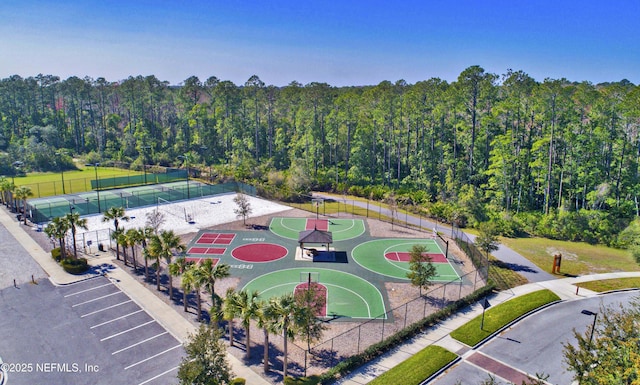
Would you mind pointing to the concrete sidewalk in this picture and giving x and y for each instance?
(166, 315)
(439, 334)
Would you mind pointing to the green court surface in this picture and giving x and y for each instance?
(371, 256)
(347, 295)
(342, 229)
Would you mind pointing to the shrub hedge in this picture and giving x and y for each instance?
(56, 254)
(347, 365)
(75, 266)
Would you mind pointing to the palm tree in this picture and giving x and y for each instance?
(229, 312)
(5, 187)
(165, 246)
(182, 265)
(116, 235)
(57, 229)
(115, 214)
(266, 322)
(74, 221)
(283, 311)
(175, 269)
(123, 241)
(192, 280)
(8, 189)
(145, 234)
(22, 193)
(244, 305)
(211, 273)
(133, 237)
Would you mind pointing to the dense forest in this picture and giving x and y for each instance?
(552, 158)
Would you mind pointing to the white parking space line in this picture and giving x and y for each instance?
(115, 319)
(106, 308)
(138, 343)
(126, 331)
(159, 375)
(152, 357)
(86, 290)
(97, 299)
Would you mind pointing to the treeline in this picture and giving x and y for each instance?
(506, 148)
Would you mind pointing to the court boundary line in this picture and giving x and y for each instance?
(258, 243)
(391, 263)
(376, 290)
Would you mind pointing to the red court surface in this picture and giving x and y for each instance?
(319, 302)
(259, 252)
(318, 224)
(215, 239)
(397, 256)
(207, 250)
(199, 260)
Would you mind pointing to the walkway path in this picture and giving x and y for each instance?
(159, 310)
(439, 334)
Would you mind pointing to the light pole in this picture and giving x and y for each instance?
(593, 327)
(185, 157)
(95, 168)
(144, 161)
(60, 153)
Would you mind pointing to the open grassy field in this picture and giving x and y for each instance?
(48, 184)
(578, 258)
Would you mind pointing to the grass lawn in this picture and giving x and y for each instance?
(612, 284)
(501, 315)
(417, 368)
(48, 184)
(578, 258)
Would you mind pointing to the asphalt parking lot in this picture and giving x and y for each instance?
(89, 332)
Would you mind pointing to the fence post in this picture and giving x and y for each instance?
(406, 309)
(444, 291)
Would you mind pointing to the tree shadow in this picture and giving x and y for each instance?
(325, 358)
(513, 266)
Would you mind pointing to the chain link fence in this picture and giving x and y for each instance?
(320, 356)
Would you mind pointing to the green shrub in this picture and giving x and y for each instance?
(56, 254)
(75, 266)
(313, 380)
(238, 381)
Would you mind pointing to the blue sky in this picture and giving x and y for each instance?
(338, 42)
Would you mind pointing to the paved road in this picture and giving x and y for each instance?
(534, 345)
(88, 332)
(516, 261)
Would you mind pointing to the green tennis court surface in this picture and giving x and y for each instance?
(342, 229)
(388, 257)
(347, 295)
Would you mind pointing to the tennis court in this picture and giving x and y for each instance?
(98, 201)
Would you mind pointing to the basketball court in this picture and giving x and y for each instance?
(353, 288)
(390, 257)
(342, 229)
